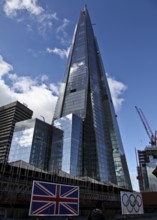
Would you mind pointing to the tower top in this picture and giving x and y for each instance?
(85, 8)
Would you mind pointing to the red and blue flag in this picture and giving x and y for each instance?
(49, 199)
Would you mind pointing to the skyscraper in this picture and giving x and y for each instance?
(85, 93)
(9, 115)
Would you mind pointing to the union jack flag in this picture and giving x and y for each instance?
(49, 199)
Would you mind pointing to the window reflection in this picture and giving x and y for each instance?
(21, 142)
(31, 143)
(71, 152)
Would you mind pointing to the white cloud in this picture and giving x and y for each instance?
(117, 88)
(22, 84)
(62, 53)
(4, 67)
(47, 17)
(11, 7)
(39, 96)
(44, 78)
(44, 18)
(32, 13)
(62, 35)
(29, 28)
(7, 96)
(45, 21)
(40, 99)
(62, 27)
(55, 88)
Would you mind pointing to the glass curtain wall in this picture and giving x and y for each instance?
(31, 143)
(70, 154)
(86, 94)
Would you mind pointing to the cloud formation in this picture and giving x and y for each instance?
(117, 88)
(28, 90)
(4, 67)
(62, 35)
(40, 96)
(34, 15)
(62, 53)
(11, 7)
(44, 18)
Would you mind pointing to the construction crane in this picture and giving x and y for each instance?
(152, 137)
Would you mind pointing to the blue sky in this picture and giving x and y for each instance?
(35, 36)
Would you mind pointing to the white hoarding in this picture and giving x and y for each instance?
(131, 203)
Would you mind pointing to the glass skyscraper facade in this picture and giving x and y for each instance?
(31, 143)
(71, 152)
(85, 93)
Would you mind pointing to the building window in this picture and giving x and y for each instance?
(72, 90)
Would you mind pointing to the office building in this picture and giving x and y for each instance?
(32, 141)
(9, 115)
(147, 169)
(85, 93)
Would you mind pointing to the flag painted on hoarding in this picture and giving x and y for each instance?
(131, 203)
(51, 199)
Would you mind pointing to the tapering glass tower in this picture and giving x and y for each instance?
(85, 93)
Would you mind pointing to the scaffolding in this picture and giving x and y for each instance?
(16, 186)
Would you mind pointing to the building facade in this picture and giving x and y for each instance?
(32, 141)
(70, 155)
(85, 93)
(9, 115)
(147, 175)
